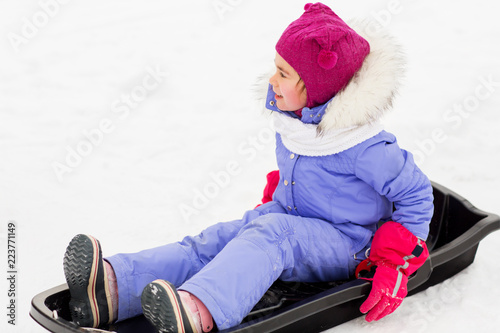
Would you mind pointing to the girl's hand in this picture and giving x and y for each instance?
(395, 254)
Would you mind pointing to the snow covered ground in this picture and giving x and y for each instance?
(136, 121)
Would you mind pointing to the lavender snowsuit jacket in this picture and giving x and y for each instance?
(355, 188)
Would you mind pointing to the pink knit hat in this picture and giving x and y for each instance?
(324, 51)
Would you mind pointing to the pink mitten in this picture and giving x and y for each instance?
(273, 178)
(395, 254)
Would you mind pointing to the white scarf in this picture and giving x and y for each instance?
(303, 139)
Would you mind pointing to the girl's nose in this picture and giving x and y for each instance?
(272, 79)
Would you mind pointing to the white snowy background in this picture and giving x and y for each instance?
(75, 78)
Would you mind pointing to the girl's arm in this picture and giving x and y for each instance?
(398, 248)
(393, 173)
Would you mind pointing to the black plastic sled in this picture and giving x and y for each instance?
(455, 232)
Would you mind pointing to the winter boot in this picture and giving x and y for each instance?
(171, 311)
(84, 269)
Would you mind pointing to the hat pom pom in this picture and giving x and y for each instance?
(327, 59)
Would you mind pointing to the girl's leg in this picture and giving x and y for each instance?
(272, 246)
(176, 262)
(113, 288)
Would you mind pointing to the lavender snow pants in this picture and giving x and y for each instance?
(229, 266)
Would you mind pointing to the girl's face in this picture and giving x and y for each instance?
(290, 90)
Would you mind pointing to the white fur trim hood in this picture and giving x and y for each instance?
(370, 93)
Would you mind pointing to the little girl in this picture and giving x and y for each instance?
(340, 174)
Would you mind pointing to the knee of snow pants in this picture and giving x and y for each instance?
(135, 270)
(174, 262)
(271, 246)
